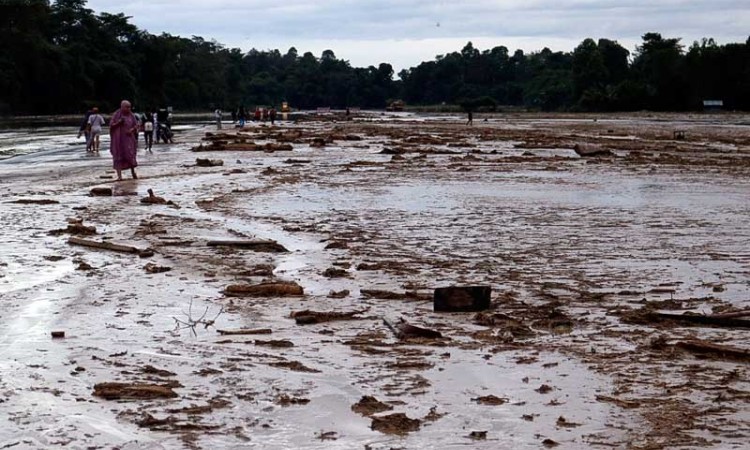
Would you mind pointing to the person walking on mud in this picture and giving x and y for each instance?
(471, 118)
(123, 132)
(83, 130)
(148, 131)
(218, 116)
(96, 121)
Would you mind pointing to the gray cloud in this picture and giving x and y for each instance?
(414, 30)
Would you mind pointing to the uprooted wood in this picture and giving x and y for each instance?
(308, 317)
(388, 295)
(144, 253)
(191, 323)
(701, 319)
(714, 350)
(732, 314)
(270, 289)
(585, 150)
(404, 330)
(368, 405)
(76, 228)
(35, 201)
(153, 199)
(244, 332)
(267, 246)
(101, 192)
(398, 424)
(205, 162)
(133, 391)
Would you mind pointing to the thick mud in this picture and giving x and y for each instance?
(374, 214)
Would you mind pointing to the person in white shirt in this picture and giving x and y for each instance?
(96, 121)
(217, 115)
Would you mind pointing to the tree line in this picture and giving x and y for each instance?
(61, 57)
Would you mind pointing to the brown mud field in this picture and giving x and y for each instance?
(249, 301)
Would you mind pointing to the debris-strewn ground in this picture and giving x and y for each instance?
(250, 302)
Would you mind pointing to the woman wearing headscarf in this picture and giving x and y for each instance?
(123, 132)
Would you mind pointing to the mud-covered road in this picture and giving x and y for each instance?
(583, 254)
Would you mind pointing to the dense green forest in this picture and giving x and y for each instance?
(59, 57)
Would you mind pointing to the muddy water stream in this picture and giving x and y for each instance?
(548, 230)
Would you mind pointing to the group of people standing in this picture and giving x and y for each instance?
(241, 115)
(124, 129)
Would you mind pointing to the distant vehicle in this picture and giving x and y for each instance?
(396, 105)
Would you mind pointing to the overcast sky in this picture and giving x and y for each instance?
(407, 32)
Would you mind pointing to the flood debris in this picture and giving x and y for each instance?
(339, 294)
(589, 150)
(462, 298)
(399, 424)
(389, 295)
(101, 192)
(104, 245)
(327, 435)
(151, 370)
(308, 317)
(75, 227)
(647, 316)
(369, 405)
(335, 272)
(294, 366)
(35, 201)
(154, 268)
(244, 332)
(478, 435)
(286, 400)
(133, 391)
(404, 330)
(711, 350)
(153, 199)
(491, 400)
(275, 343)
(267, 289)
(205, 162)
(267, 246)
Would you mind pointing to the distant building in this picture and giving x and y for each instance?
(713, 105)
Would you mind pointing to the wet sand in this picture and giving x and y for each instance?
(578, 251)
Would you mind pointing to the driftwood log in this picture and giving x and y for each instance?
(254, 245)
(144, 253)
(728, 322)
(404, 330)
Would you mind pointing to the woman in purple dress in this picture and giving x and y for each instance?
(123, 131)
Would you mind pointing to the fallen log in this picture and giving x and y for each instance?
(405, 330)
(101, 192)
(244, 332)
(205, 162)
(133, 391)
(716, 350)
(35, 201)
(254, 245)
(586, 150)
(703, 320)
(308, 317)
(731, 315)
(278, 289)
(144, 253)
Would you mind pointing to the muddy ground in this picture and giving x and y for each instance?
(178, 348)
